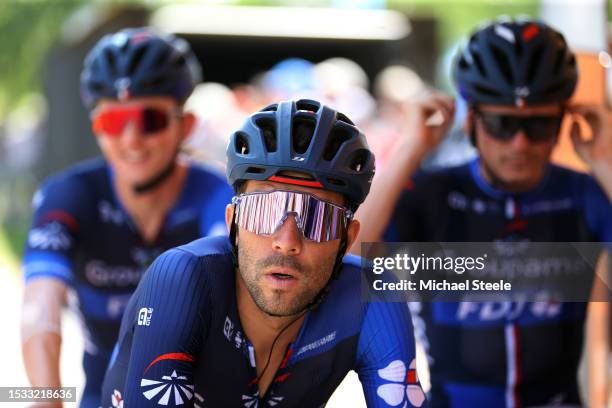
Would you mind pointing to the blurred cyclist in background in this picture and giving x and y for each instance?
(516, 77)
(99, 224)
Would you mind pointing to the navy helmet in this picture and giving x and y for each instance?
(139, 62)
(307, 137)
(515, 62)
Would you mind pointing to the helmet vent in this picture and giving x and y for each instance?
(180, 62)
(270, 108)
(336, 182)
(534, 61)
(558, 61)
(487, 91)
(138, 55)
(307, 106)
(160, 58)
(268, 131)
(255, 170)
(112, 63)
(503, 63)
(242, 143)
(518, 48)
(479, 65)
(303, 130)
(338, 136)
(343, 118)
(359, 160)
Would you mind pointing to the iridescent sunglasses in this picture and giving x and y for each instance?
(264, 212)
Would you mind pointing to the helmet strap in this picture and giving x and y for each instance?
(155, 181)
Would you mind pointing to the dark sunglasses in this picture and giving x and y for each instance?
(148, 120)
(537, 128)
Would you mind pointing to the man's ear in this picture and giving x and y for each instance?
(188, 122)
(229, 214)
(351, 233)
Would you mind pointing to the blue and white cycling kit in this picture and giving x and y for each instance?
(501, 354)
(182, 343)
(83, 236)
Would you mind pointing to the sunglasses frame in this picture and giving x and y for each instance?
(479, 113)
(346, 214)
(169, 114)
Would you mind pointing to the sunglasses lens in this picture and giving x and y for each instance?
(111, 122)
(542, 128)
(536, 128)
(148, 120)
(154, 120)
(263, 213)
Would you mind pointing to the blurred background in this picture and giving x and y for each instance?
(364, 57)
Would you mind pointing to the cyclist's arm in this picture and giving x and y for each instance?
(598, 337)
(386, 360)
(162, 334)
(48, 273)
(597, 151)
(41, 330)
(375, 213)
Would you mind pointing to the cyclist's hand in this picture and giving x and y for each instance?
(597, 150)
(429, 118)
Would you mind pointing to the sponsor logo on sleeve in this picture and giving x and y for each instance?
(144, 316)
(403, 387)
(50, 236)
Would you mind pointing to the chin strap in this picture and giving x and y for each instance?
(157, 180)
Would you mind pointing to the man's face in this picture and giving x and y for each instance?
(138, 155)
(284, 272)
(517, 163)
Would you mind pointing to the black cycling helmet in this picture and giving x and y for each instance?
(515, 62)
(139, 62)
(307, 137)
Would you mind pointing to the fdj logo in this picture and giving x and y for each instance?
(144, 316)
(492, 311)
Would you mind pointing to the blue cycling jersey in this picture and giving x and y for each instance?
(501, 354)
(182, 343)
(83, 236)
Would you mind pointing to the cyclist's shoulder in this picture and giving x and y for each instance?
(82, 176)
(189, 272)
(213, 246)
(582, 185)
(193, 260)
(208, 174)
(345, 291)
(441, 180)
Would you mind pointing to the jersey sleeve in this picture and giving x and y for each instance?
(213, 217)
(598, 211)
(405, 224)
(386, 360)
(59, 208)
(161, 331)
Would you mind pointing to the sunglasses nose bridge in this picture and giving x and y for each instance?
(281, 222)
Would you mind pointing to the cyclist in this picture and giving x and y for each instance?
(99, 224)
(271, 316)
(516, 76)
